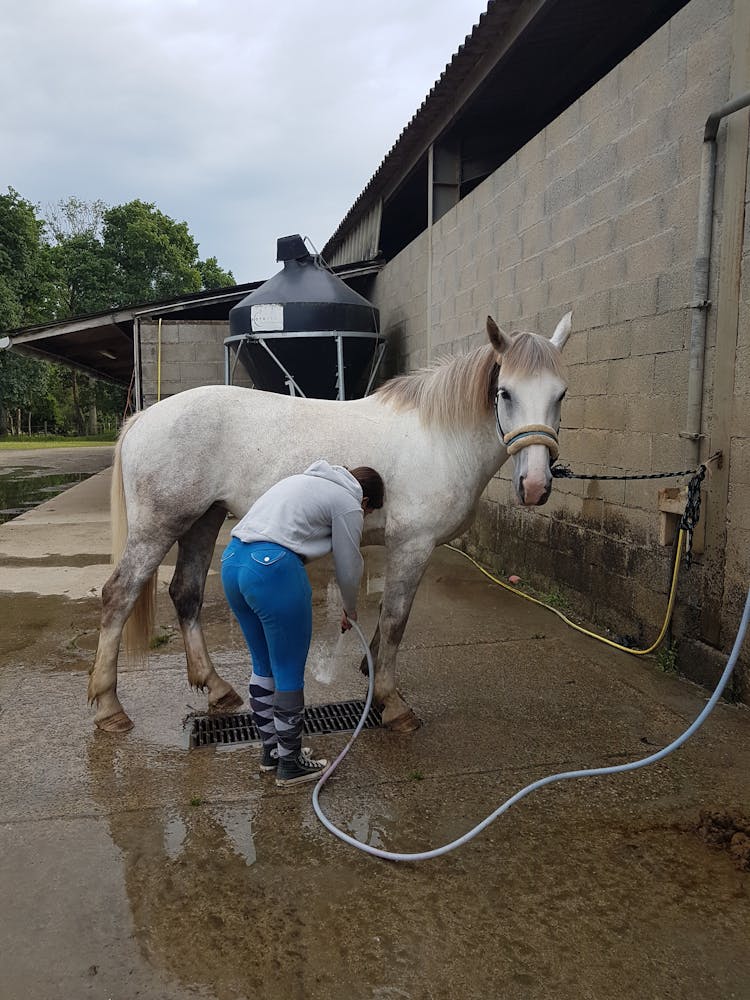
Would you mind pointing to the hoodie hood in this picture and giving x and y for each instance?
(336, 474)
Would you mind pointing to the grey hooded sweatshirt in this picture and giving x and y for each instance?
(317, 512)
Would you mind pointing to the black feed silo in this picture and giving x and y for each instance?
(305, 332)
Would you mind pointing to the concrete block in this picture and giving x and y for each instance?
(205, 331)
(530, 154)
(596, 242)
(589, 379)
(640, 221)
(653, 174)
(650, 414)
(591, 311)
(564, 291)
(659, 333)
(608, 125)
(606, 412)
(567, 157)
(561, 192)
(575, 349)
(573, 412)
(640, 63)
(604, 94)
(558, 260)
(662, 86)
(200, 373)
(589, 446)
(649, 257)
(528, 272)
(632, 300)
(599, 169)
(535, 239)
(603, 273)
(569, 221)
(559, 131)
(670, 374)
(629, 376)
(673, 290)
(609, 342)
(533, 301)
(605, 202)
(186, 352)
(670, 452)
(597, 492)
(695, 20)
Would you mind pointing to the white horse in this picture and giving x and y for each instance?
(436, 437)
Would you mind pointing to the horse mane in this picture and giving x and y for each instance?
(459, 390)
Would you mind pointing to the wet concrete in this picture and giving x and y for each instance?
(132, 867)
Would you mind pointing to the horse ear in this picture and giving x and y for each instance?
(562, 331)
(498, 338)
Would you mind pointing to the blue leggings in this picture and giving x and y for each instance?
(269, 592)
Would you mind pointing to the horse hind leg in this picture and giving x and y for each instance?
(195, 550)
(134, 572)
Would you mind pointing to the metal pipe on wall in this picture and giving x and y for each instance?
(701, 268)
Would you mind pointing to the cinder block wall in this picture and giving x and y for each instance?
(192, 354)
(598, 213)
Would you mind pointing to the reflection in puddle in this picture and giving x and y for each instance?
(22, 488)
(175, 832)
(362, 828)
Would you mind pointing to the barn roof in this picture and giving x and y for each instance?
(522, 65)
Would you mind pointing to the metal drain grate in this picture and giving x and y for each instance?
(225, 730)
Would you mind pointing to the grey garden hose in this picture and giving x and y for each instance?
(588, 772)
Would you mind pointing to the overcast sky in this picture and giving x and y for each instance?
(248, 120)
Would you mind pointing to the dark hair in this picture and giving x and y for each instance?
(371, 483)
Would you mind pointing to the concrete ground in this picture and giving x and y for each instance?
(133, 867)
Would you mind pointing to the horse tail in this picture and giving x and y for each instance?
(140, 624)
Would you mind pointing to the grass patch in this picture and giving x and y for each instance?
(666, 658)
(37, 443)
(162, 638)
(556, 599)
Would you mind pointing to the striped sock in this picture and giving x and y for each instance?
(262, 691)
(288, 715)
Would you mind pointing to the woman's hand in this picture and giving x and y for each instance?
(347, 618)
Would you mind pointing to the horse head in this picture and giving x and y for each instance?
(530, 389)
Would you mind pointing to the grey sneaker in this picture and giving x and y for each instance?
(270, 757)
(295, 769)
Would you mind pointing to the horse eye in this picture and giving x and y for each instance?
(562, 395)
(504, 394)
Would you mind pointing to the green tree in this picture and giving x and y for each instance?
(152, 256)
(26, 271)
(83, 258)
(213, 276)
(27, 296)
(83, 276)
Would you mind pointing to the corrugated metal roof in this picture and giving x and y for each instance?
(441, 98)
(524, 62)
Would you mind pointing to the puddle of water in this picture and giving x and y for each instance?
(22, 488)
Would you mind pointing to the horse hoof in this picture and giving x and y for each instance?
(406, 723)
(227, 702)
(117, 723)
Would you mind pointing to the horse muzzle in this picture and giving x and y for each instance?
(532, 478)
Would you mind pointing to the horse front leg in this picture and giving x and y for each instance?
(405, 565)
(195, 550)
